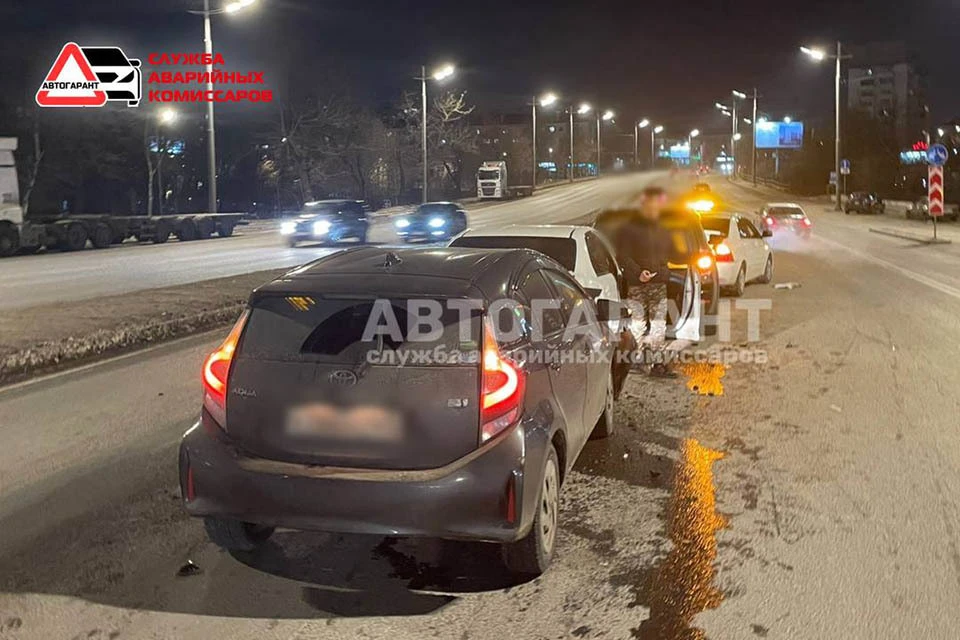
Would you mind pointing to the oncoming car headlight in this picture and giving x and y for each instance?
(436, 223)
(321, 227)
(402, 223)
(288, 227)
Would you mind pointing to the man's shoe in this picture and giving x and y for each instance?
(660, 370)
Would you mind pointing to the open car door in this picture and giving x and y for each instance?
(683, 289)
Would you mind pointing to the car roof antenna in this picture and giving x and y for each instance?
(391, 260)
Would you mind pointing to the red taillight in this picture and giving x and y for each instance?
(770, 221)
(806, 222)
(503, 387)
(723, 252)
(216, 371)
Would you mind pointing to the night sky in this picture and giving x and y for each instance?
(666, 61)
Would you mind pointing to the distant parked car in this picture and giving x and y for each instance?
(863, 202)
(919, 210)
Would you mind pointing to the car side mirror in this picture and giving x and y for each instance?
(766, 233)
(593, 293)
(608, 310)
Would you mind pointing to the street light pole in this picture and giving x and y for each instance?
(643, 124)
(211, 133)
(423, 129)
(570, 169)
(653, 132)
(533, 184)
(598, 143)
(837, 136)
(753, 144)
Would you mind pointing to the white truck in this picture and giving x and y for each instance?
(72, 232)
(493, 184)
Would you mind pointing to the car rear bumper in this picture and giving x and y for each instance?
(469, 498)
(728, 273)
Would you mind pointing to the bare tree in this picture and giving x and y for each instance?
(32, 170)
(451, 137)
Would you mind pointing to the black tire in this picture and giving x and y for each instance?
(234, 535)
(225, 229)
(162, 232)
(9, 240)
(205, 228)
(767, 271)
(741, 284)
(606, 423)
(74, 238)
(846, 211)
(292, 243)
(187, 230)
(102, 236)
(531, 555)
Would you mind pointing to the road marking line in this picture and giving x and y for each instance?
(907, 273)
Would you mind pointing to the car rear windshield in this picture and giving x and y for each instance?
(436, 209)
(563, 250)
(784, 212)
(307, 327)
(716, 226)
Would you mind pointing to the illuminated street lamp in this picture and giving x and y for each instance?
(606, 116)
(546, 100)
(693, 134)
(643, 124)
(231, 7)
(820, 55)
(440, 74)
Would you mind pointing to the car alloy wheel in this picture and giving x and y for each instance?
(549, 506)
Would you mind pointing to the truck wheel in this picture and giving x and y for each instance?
(187, 230)
(74, 238)
(162, 232)
(205, 228)
(9, 240)
(102, 236)
(225, 229)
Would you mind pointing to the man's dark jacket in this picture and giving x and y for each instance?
(642, 244)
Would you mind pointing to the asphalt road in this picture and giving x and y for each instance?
(817, 497)
(34, 280)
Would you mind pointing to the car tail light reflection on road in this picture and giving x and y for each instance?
(216, 371)
(503, 388)
(724, 253)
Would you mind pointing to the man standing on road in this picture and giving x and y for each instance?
(643, 250)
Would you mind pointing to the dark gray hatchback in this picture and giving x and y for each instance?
(379, 392)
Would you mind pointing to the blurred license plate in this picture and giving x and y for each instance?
(360, 423)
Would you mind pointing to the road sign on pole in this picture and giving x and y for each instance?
(937, 155)
(845, 167)
(935, 190)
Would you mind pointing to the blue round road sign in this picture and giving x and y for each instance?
(937, 155)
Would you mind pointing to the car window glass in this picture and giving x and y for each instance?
(534, 288)
(572, 302)
(747, 230)
(599, 256)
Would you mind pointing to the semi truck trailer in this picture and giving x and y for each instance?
(76, 232)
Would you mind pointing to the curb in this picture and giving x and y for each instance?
(48, 356)
(904, 236)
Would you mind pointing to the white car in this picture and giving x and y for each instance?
(742, 254)
(588, 256)
(582, 251)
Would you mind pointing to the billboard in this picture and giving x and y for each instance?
(779, 135)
